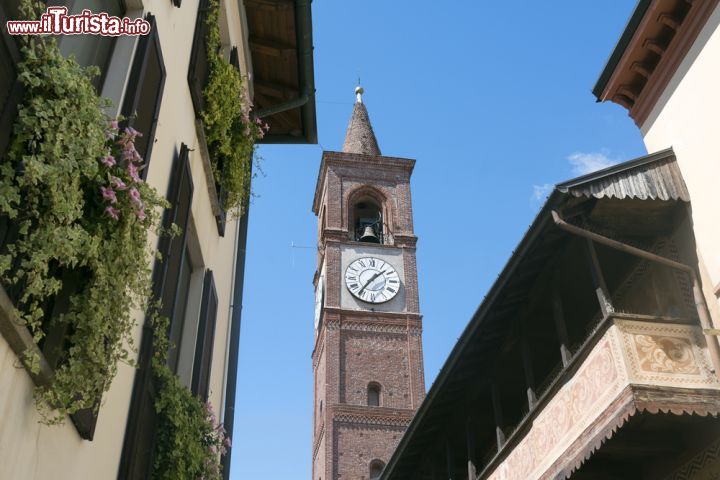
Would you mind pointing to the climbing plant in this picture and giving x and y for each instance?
(190, 440)
(80, 261)
(230, 130)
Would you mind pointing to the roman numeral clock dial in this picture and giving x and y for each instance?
(372, 280)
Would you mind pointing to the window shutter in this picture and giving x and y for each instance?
(180, 197)
(10, 86)
(199, 69)
(144, 93)
(205, 338)
(138, 447)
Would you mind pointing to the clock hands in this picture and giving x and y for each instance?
(369, 282)
(369, 288)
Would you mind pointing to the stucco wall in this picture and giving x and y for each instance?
(30, 450)
(685, 118)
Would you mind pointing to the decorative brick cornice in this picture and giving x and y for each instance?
(366, 416)
(374, 163)
(353, 316)
(405, 240)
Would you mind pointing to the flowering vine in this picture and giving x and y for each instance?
(190, 440)
(229, 128)
(79, 262)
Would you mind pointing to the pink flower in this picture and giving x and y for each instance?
(135, 196)
(133, 172)
(117, 184)
(114, 124)
(112, 213)
(228, 442)
(108, 161)
(130, 154)
(108, 194)
(132, 133)
(141, 212)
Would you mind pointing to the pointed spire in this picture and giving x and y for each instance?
(360, 137)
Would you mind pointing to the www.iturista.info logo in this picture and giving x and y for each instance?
(56, 21)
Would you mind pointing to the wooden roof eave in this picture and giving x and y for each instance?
(541, 223)
(304, 100)
(528, 246)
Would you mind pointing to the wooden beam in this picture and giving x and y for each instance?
(654, 46)
(270, 4)
(449, 460)
(275, 89)
(601, 289)
(470, 440)
(498, 414)
(560, 325)
(642, 69)
(528, 369)
(271, 48)
(669, 20)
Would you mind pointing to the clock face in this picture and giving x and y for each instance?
(372, 280)
(319, 301)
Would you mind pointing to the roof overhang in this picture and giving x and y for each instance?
(655, 41)
(281, 48)
(651, 173)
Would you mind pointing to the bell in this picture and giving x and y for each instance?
(369, 235)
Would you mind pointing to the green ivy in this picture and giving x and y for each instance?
(189, 438)
(230, 131)
(69, 182)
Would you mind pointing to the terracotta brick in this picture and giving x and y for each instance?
(354, 348)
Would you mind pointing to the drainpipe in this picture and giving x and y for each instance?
(702, 308)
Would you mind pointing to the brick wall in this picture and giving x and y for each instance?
(360, 345)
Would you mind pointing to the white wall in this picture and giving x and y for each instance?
(686, 118)
(30, 450)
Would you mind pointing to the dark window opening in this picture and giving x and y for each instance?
(373, 395)
(92, 49)
(368, 221)
(376, 468)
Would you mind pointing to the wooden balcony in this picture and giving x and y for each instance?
(629, 366)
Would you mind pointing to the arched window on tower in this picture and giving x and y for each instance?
(368, 220)
(373, 394)
(376, 468)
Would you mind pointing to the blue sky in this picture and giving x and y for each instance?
(493, 101)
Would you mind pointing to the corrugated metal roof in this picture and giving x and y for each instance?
(655, 177)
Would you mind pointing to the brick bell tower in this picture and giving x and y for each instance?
(368, 360)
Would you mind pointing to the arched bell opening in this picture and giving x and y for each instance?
(368, 216)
